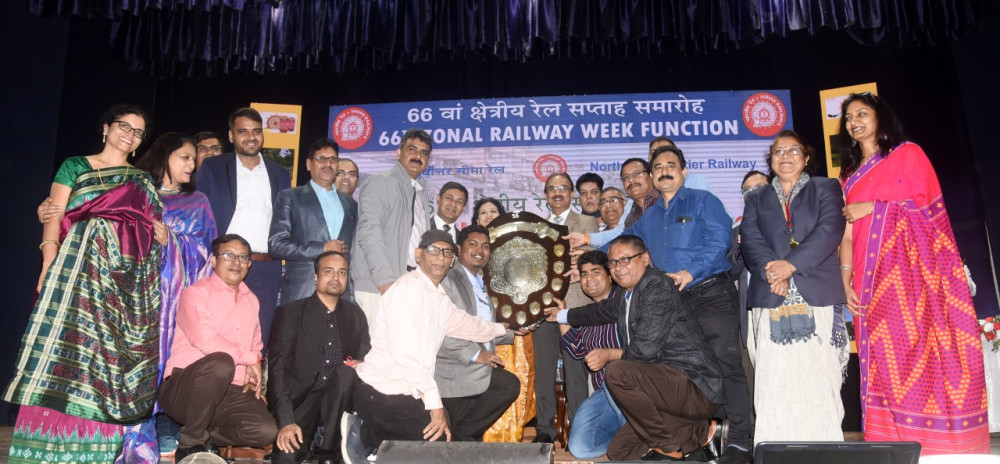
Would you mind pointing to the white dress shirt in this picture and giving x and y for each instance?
(439, 224)
(252, 217)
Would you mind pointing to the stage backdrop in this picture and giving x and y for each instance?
(506, 148)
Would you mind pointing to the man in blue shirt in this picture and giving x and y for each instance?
(310, 219)
(688, 234)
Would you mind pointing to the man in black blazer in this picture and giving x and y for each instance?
(241, 188)
(668, 383)
(451, 201)
(311, 219)
(314, 345)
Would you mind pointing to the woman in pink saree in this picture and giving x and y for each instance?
(918, 345)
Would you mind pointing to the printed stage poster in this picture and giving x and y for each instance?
(282, 125)
(506, 148)
(830, 101)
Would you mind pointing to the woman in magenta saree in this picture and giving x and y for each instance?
(87, 366)
(918, 345)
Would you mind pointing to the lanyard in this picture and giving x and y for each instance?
(792, 243)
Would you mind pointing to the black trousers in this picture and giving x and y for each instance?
(715, 305)
(471, 416)
(389, 417)
(209, 407)
(322, 408)
(546, 346)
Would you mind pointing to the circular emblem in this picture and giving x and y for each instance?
(352, 128)
(546, 165)
(764, 114)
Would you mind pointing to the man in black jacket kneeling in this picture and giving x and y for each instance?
(667, 383)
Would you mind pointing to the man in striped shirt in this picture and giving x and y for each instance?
(598, 419)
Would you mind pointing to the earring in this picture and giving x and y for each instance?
(854, 143)
(104, 138)
(132, 154)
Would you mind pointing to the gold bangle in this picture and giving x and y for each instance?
(587, 236)
(46, 242)
(846, 267)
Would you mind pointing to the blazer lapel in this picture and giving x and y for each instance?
(312, 207)
(231, 177)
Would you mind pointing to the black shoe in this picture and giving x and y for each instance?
(698, 455)
(653, 455)
(182, 453)
(720, 439)
(734, 455)
(327, 457)
(543, 437)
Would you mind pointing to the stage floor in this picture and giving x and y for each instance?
(562, 456)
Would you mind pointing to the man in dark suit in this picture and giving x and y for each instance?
(559, 196)
(667, 382)
(475, 388)
(241, 188)
(451, 201)
(311, 380)
(309, 220)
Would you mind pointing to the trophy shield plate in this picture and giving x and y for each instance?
(528, 257)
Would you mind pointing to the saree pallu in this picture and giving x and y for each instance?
(89, 352)
(185, 258)
(918, 345)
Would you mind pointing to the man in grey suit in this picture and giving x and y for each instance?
(392, 215)
(310, 219)
(475, 388)
(559, 196)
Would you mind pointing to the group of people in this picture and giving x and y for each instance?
(163, 307)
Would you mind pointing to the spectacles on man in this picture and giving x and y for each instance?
(623, 261)
(325, 159)
(793, 151)
(609, 200)
(557, 189)
(351, 174)
(434, 251)
(231, 257)
(127, 128)
(633, 175)
(209, 148)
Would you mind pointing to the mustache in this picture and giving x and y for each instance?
(665, 177)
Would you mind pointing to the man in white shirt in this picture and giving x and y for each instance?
(451, 201)
(241, 188)
(398, 398)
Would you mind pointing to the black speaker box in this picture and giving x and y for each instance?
(437, 452)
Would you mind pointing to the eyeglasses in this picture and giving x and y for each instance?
(434, 251)
(610, 200)
(623, 261)
(209, 148)
(557, 189)
(231, 257)
(127, 128)
(793, 151)
(633, 175)
(325, 160)
(347, 173)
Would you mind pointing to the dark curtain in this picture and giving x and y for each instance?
(197, 38)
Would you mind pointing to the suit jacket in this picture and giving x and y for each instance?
(660, 329)
(295, 353)
(456, 373)
(739, 274)
(217, 180)
(298, 233)
(818, 227)
(577, 222)
(385, 217)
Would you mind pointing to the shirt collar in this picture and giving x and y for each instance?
(426, 281)
(259, 166)
(319, 188)
(440, 222)
(216, 283)
(564, 215)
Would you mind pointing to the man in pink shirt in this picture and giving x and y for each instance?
(398, 398)
(213, 379)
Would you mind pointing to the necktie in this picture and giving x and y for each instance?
(446, 228)
(557, 219)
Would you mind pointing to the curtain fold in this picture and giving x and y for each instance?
(204, 38)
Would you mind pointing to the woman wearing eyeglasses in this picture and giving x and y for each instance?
(789, 237)
(88, 361)
(918, 344)
(186, 234)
